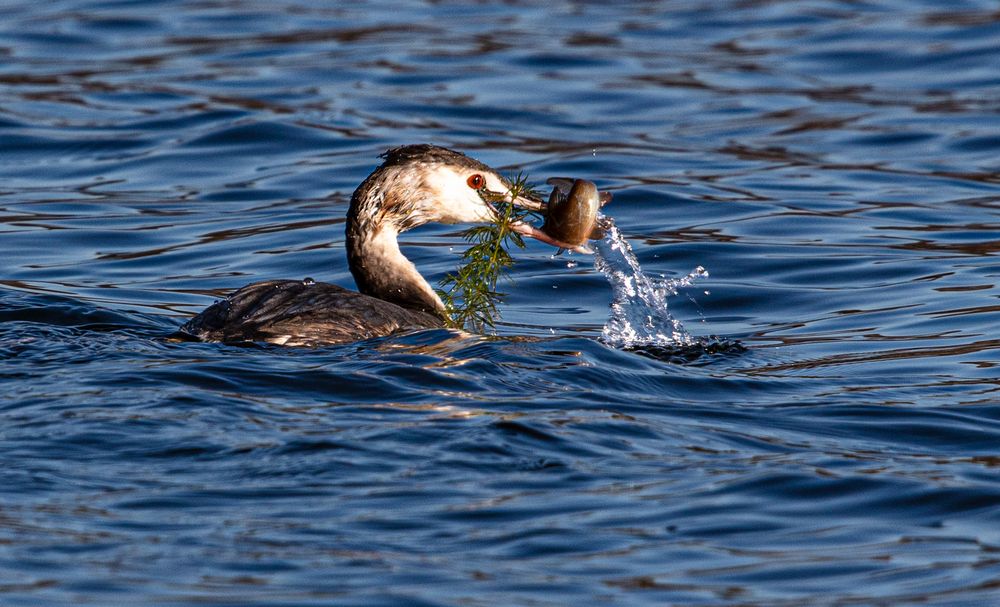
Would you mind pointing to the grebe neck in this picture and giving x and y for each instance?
(381, 270)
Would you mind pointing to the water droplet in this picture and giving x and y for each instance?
(571, 264)
(308, 282)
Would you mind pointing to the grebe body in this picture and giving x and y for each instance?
(416, 184)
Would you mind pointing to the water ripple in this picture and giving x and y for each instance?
(831, 164)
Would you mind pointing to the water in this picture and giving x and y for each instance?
(833, 165)
(640, 315)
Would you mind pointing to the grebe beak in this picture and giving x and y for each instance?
(526, 229)
(533, 204)
(530, 202)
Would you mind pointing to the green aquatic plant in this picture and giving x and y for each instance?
(470, 293)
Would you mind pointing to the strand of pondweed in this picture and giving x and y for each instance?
(470, 293)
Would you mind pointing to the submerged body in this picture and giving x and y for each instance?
(416, 184)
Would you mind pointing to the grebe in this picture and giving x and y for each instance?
(416, 184)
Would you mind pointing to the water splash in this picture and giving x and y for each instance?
(639, 313)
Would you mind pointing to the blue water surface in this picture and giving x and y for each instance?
(834, 165)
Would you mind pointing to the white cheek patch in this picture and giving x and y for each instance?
(457, 202)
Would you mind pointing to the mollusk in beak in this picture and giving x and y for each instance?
(570, 218)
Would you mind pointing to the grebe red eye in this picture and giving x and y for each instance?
(476, 181)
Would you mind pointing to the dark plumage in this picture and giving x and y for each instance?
(415, 185)
(303, 313)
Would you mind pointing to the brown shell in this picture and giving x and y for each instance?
(570, 219)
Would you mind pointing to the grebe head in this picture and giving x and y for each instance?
(416, 184)
(420, 184)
